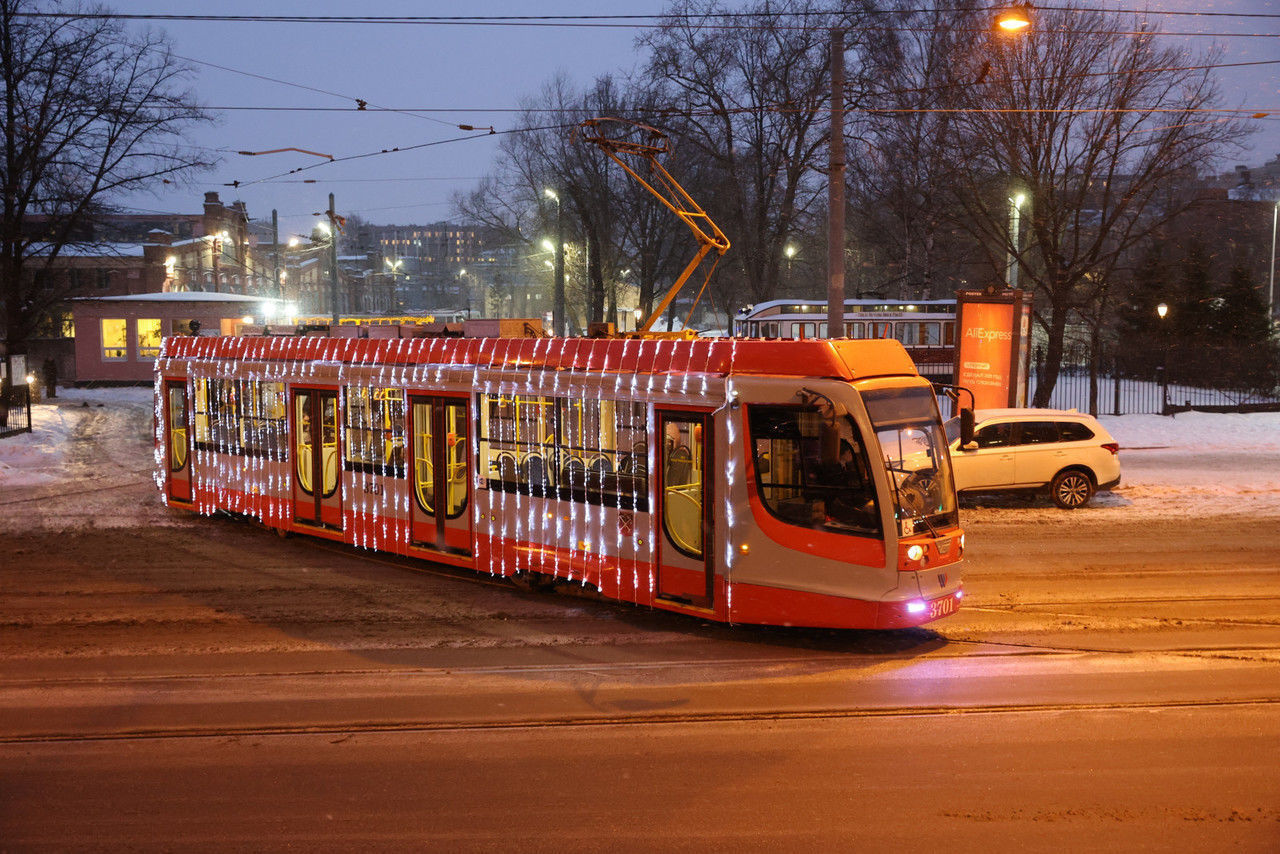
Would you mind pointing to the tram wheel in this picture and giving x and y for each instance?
(534, 582)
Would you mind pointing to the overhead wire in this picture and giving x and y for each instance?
(639, 21)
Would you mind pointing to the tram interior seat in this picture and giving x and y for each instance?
(534, 470)
(506, 464)
(599, 468)
(574, 472)
(679, 466)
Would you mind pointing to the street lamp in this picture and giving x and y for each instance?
(557, 306)
(1015, 243)
(1014, 19)
(1163, 310)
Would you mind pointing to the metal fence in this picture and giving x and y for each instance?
(15, 410)
(1126, 395)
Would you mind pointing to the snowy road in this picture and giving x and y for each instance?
(166, 679)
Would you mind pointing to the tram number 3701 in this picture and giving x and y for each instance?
(942, 607)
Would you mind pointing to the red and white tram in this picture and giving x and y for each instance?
(927, 328)
(774, 482)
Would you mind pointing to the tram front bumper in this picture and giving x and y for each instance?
(915, 612)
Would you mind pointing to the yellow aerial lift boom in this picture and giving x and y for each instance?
(652, 142)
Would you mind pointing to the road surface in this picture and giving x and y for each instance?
(172, 682)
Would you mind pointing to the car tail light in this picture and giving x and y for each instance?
(1113, 447)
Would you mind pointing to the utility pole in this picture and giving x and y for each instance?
(835, 193)
(1271, 288)
(557, 305)
(275, 252)
(333, 261)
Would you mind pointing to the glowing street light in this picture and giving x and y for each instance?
(1014, 19)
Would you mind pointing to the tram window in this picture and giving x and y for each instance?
(931, 333)
(907, 333)
(375, 429)
(115, 338)
(217, 415)
(682, 504)
(148, 338)
(203, 432)
(857, 329)
(949, 333)
(522, 427)
(879, 329)
(262, 418)
(812, 470)
(573, 448)
(771, 329)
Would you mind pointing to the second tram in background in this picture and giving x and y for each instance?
(927, 328)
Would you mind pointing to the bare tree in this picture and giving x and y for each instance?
(900, 169)
(90, 112)
(1090, 122)
(613, 223)
(751, 99)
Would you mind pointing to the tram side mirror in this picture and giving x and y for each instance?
(966, 431)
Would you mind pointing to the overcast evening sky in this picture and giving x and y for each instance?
(477, 75)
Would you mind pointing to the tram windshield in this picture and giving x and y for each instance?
(914, 450)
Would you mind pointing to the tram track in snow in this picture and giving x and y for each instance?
(347, 729)
(853, 661)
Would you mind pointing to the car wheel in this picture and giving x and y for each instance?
(1071, 489)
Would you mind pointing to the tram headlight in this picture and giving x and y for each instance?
(917, 607)
(914, 553)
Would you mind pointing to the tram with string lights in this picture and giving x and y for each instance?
(797, 483)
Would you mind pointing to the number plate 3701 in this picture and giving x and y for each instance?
(942, 607)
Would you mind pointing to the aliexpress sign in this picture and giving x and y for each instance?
(993, 346)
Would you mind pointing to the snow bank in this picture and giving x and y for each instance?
(38, 458)
(1197, 431)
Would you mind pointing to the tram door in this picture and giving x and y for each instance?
(685, 554)
(441, 473)
(178, 440)
(317, 493)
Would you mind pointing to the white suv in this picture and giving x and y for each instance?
(1067, 452)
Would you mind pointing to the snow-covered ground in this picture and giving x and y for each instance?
(1190, 464)
(42, 457)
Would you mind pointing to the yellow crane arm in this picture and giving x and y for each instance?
(666, 188)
